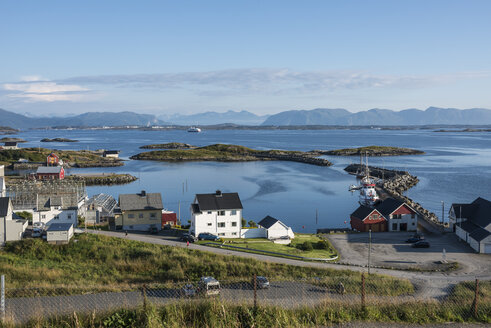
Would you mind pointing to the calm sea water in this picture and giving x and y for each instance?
(455, 168)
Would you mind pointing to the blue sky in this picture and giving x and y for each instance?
(165, 57)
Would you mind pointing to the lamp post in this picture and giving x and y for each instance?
(443, 211)
(369, 248)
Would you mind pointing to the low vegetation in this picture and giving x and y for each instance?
(373, 151)
(170, 145)
(76, 158)
(305, 245)
(106, 179)
(215, 313)
(90, 261)
(58, 140)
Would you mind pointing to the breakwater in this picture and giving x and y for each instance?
(103, 179)
(395, 183)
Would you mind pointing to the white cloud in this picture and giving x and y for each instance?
(45, 91)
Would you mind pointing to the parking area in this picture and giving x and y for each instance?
(389, 249)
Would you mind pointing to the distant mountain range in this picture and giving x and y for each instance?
(211, 118)
(319, 116)
(430, 116)
(91, 119)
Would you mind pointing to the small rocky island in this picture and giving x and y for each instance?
(231, 153)
(170, 145)
(58, 140)
(371, 151)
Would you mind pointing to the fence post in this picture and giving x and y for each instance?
(144, 295)
(255, 291)
(363, 290)
(476, 299)
(2, 296)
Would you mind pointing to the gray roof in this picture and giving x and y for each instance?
(467, 226)
(479, 234)
(49, 169)
(267, 222)
(195, 208)
(142, 201)
(362, 212)
(4, 206)
(59, 227)
(389, 205)
(479, 211)
(219, 201)
(45, 202)
(11, 143)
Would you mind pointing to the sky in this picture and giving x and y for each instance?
(167, 57)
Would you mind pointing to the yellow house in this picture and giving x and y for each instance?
(141, 211)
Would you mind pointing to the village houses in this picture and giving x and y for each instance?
(217, 213)
(141, 212)
(12, 227)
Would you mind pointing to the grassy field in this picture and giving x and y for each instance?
(213, 313)
(91, 261)
(83, 158)
(321, 248)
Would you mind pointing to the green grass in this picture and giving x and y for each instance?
(214, 313)
(8, 156)
(91, 261)
(292, 249)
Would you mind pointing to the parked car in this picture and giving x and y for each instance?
(37, 229)
(188, 238)
(153, 230)
(208, 236)
(415, 238)
(188, 290)
(208, 286)
(261, 282)
(421, 244)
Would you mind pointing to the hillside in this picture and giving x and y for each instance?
(213, 118)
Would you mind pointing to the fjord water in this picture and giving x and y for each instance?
(455, 168)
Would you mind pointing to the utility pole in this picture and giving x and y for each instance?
(443, 211)
(369, 248)
(316, 216)
(179, 210)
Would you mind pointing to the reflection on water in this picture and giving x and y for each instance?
(455, 168)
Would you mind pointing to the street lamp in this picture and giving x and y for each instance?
(369, 248)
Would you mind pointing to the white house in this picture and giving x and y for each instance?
(59, 233)
(56, 209)
(111, 153)
(12, 227)
(275, 229)
(3, 191)
(472, 223)
(399, 215)
(218, 213)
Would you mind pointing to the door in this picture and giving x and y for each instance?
(403, 226)
(487, 248)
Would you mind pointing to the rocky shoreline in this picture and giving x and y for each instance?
(105, 179)
(371, 151)
(170, 145)
(58, 140)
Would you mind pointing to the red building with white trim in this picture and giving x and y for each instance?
(50, 173)
(366, 218)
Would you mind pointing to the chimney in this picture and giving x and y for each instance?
(143, 193)
(218, 193)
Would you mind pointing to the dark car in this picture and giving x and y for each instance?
(413, 240)
(208, 236)
(153, 230)
(261, 282)
(188, 238)
(421, 244)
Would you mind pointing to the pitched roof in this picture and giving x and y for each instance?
(49, 169)
(111, 152)
(4, 206)
(389, 205)
(363, 211)
(479, 234)
(11, 143)
(219, 201)
(267, 222)
(479, 211)
(195, 208)
(59, 227)
(467, 226)
(142, 201)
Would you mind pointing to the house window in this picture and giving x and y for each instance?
(414, 223)
(234, 233)
(43, 216)
(221, 224)
(69, 216)
(394, 226)
(233, 212)
(221, 234)
(56, 217)
(374, 217)
(221, 213)
(234, 224)
(209, 212)
(209, 224)
(413, 215)
(131, 227)
(152, 215)
(140, 215)
(131, 216)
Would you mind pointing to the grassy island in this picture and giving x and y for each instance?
(170, 145)
(73, 158)
(373, 151)
(231, 153)
(58, 140)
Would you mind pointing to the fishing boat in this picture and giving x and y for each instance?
(368, 195)
(194, 129)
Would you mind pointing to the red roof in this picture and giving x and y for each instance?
(169, 217)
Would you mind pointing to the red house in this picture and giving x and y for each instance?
(366, 218)
(52, 160)
(50, 173)
(169, 218)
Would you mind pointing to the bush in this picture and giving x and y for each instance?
(306, 246)
(322, 244)
(25, 215)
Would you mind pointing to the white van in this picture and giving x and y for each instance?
(208, 286)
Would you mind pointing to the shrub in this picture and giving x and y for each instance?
(306, 246)
(322, 244)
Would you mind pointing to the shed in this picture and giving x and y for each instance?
(59, 233)
(275, 229)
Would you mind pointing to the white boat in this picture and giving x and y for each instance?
(368, 194)
(194, 129)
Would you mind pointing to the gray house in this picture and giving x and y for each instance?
(12, 227)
